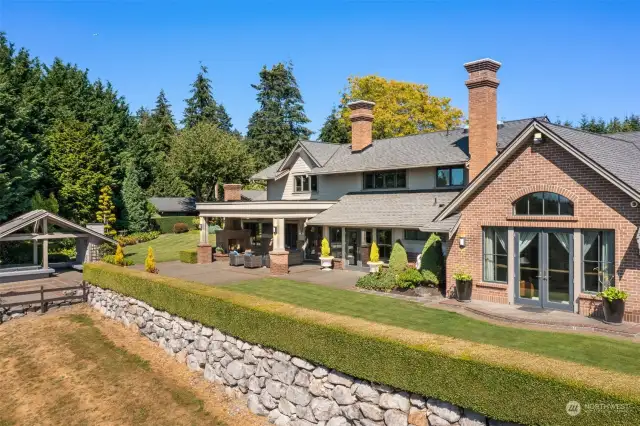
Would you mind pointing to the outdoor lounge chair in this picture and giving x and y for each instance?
(252, 261)
(236, 259)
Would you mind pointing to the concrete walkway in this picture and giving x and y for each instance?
(220, 273)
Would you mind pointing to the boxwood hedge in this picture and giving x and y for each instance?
(165, 223)
(502, 393)
(189, 256)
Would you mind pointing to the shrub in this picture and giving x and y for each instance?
(219, 250)
(138, 237)
(150, 262)
(462, 276)
(189, 256)
(398, 259)
(110, 258)
(325, 251)
(165, 224)
(118, 258)
(431, 262)
(612, 293)
(374, 254)
(106, 249)
(383, 280)
(409, 278)
(494, 390)
(180, 228)
(58, 257)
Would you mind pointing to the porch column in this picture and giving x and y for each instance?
(344, 243)
(35, 252)
(511, 276)
(279, 257)
(577, 269)
(45, 245)
(204, 253)
(301, 240)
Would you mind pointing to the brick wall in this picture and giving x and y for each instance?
(361, 124)
(232, 192)
(598, 204)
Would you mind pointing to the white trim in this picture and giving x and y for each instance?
(513, 146)
(264, 209)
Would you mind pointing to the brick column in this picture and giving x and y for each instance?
(365, 250)
(279, 262)
(204, 253)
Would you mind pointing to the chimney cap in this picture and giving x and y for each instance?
(361, 104)
(482, 65)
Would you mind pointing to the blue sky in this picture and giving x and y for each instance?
(560, 58)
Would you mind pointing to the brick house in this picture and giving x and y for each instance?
(550, 208)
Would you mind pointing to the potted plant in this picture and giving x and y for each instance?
(326, 260)
(613, 304)
(463, 286)
(374, 259)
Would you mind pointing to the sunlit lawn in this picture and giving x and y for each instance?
(166, 247)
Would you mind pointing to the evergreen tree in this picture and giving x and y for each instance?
(20, 129)
(79, 164)
(162, 116)
(334, 129)
(135, 201)
(202, 107)
(279, 123)
(106, 211)
(38, 202)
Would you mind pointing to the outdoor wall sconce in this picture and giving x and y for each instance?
(462, 242)
(275, 230)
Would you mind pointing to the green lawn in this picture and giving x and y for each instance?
(613, 354)
(166, 247)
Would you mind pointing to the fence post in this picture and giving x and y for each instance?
(42, 307)
(84, 291)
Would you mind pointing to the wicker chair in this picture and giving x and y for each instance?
(236, 259)
(252, 261)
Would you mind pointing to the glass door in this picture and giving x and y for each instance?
(544, 268)
(353, 246)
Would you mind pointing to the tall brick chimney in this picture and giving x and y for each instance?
(483, 113)
(361, 124)
(232, 192)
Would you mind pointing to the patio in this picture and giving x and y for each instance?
(221, 273)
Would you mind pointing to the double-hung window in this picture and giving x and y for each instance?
(305, 183)
(598, 254)
(449, 176)
(494, 250)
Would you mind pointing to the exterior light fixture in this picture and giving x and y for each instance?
(537, 138)
(462, 242)
(275, 230)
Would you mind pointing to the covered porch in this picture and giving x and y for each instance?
(38, 229)
(277, 229)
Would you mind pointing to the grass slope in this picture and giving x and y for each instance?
(166, 247)
(618, 355)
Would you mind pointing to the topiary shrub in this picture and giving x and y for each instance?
(374, 254)
(432, 262)
(118, 258)
(111, 258)
(190, 256)
(383, 280)
(398, 259)
(410, 278)
(150, 262)
(180, 228)
(325, 250)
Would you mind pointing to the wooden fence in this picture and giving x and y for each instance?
(41, 300)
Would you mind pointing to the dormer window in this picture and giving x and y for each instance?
(385, 180)
(543, 204)
(306, 183)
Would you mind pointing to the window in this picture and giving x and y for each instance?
(449, 176)
(494, 251)
(256, 233)
(335, 241)
(383, 238)
(385, 180)
(543, 204)
(415, 235)
(302, 183)
(598, 260)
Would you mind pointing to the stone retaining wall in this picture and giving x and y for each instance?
(288, 390)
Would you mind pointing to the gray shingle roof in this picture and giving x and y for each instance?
(627, 136)
(254, 194)
(174, 204)
(423, 150)
(619, 157)
(401, 209)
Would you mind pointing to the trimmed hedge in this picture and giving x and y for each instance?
(165, 223)
(189, 256)
(500, 392)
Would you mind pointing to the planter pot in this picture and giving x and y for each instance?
(374, 266)
(613, 311)
(463, 291)
(326, 263)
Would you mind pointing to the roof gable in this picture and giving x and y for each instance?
(604, 155)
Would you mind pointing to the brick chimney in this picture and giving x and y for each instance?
(232, 192)
(483, 113)
(361, 124)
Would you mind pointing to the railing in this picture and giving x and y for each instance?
(41, 300)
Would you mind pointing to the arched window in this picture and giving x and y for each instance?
(543, 204)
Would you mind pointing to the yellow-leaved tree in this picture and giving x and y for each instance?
(402, 108)
(150, 262)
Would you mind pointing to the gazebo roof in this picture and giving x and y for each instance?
(31, 217)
